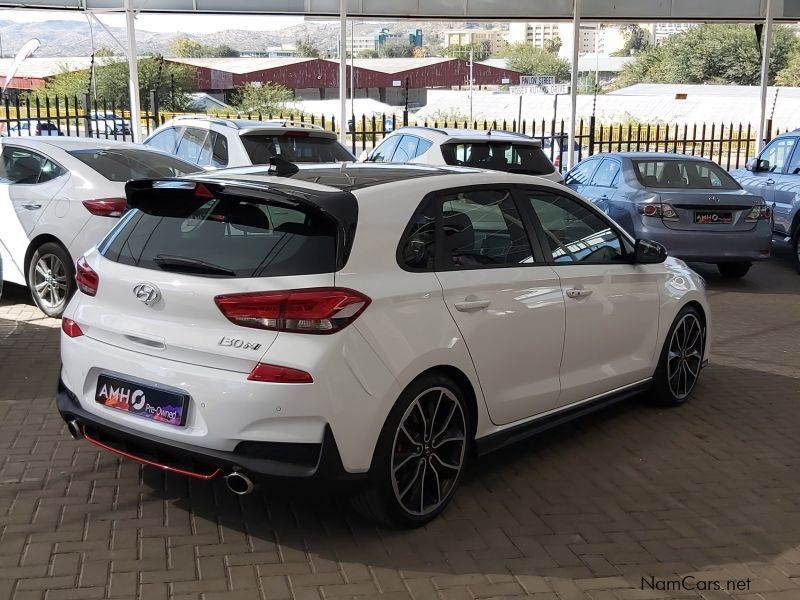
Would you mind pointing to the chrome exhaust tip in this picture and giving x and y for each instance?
(239, 483)
(74, 429)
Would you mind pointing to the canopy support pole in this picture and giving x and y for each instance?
(343, 72)
(133, 65)
(573, 90)
(765, 52)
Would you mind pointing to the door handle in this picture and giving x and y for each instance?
(576, 293)
(32, 206)
(770, 181)
(472, 303)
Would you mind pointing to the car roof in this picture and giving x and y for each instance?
(650, 156)
(246, 126)
(73, 143)
(482, 135)
(340, 176)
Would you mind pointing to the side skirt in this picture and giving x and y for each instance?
(512, 435)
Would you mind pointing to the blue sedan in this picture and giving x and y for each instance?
(689, 204)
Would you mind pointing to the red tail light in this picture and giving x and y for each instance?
(86, 277)
(316, 310)
(71, 328)
(276, 374)
(106, 207)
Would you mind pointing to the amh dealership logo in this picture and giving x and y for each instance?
(134, 398)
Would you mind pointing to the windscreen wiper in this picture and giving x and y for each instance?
(169, 262)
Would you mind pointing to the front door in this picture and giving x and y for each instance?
(771, 165)
(507, 305)
(787, 190)
(612, 306)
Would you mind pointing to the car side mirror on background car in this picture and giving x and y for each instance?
(647, 252)
(757, 166)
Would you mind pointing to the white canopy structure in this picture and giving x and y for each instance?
(754, 11)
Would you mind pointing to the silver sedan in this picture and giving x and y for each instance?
(689, 204)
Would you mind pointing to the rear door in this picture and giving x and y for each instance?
(185, 256)
(506, 303)
(580, 176)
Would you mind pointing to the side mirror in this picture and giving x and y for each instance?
(364, 156)
(647, 252)
(757, 165)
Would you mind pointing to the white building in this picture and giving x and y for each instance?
(494, 38)
(594, 37)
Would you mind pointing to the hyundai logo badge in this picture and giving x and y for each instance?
(147, 293)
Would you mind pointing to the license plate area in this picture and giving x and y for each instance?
(713, 217)
(142, 401)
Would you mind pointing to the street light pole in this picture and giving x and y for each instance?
(471, 62)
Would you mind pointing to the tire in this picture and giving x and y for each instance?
(735, 270)
(676, 366)
(51, 278)
(796, 248)
(410, 470)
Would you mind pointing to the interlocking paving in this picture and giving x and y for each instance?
(620, 505)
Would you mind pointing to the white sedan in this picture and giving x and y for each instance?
(381, 323)
(58, 197)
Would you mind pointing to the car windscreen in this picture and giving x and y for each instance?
(124, 164)
(298, 147)
(512, 157)
(686, 174)
(225, 238)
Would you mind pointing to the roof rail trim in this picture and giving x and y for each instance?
(210, 119)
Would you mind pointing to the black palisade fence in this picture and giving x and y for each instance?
(728, 144)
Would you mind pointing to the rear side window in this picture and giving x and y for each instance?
(164, 140)
(512, 157)
(406, 149)
(26, 167)
(294, 147)
(191, 144)
(226, 238)
(606, 174)
(125, 164)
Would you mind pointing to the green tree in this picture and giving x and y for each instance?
(183, 47)
(529, 60)
(480, 51)
(112, 83)
(553, 45)
(636, 40)
(257, 97)
(306, 50)
(104, 52)
(723, 54)
(790, 74)
(396, 49)
(367, 54)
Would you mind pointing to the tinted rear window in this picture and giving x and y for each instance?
(499, 156)
(227, 238)
(126, 164)
(298, 148)
(688, 174)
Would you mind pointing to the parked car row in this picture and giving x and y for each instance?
(376, 323)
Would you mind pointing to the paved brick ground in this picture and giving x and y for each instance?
(587, 511)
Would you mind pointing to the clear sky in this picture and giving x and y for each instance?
(164, 22)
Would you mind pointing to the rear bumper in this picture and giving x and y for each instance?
(262, 462)
(713, 246)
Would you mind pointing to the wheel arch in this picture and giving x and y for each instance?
(36, 243)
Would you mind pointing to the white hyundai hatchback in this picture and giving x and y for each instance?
(374, 322)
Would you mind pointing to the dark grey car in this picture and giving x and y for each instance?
(689, 204)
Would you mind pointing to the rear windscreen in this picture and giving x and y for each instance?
(297, 148)
(511, 157)
(677, 173)
(226, 238)
(125, 164)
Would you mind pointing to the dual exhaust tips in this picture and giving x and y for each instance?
(237, 482)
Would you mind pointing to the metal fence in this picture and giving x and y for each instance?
(730, 145)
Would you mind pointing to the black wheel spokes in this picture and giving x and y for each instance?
(684, 356)
(428, 451)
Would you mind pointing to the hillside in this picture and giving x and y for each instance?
(71, 38)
